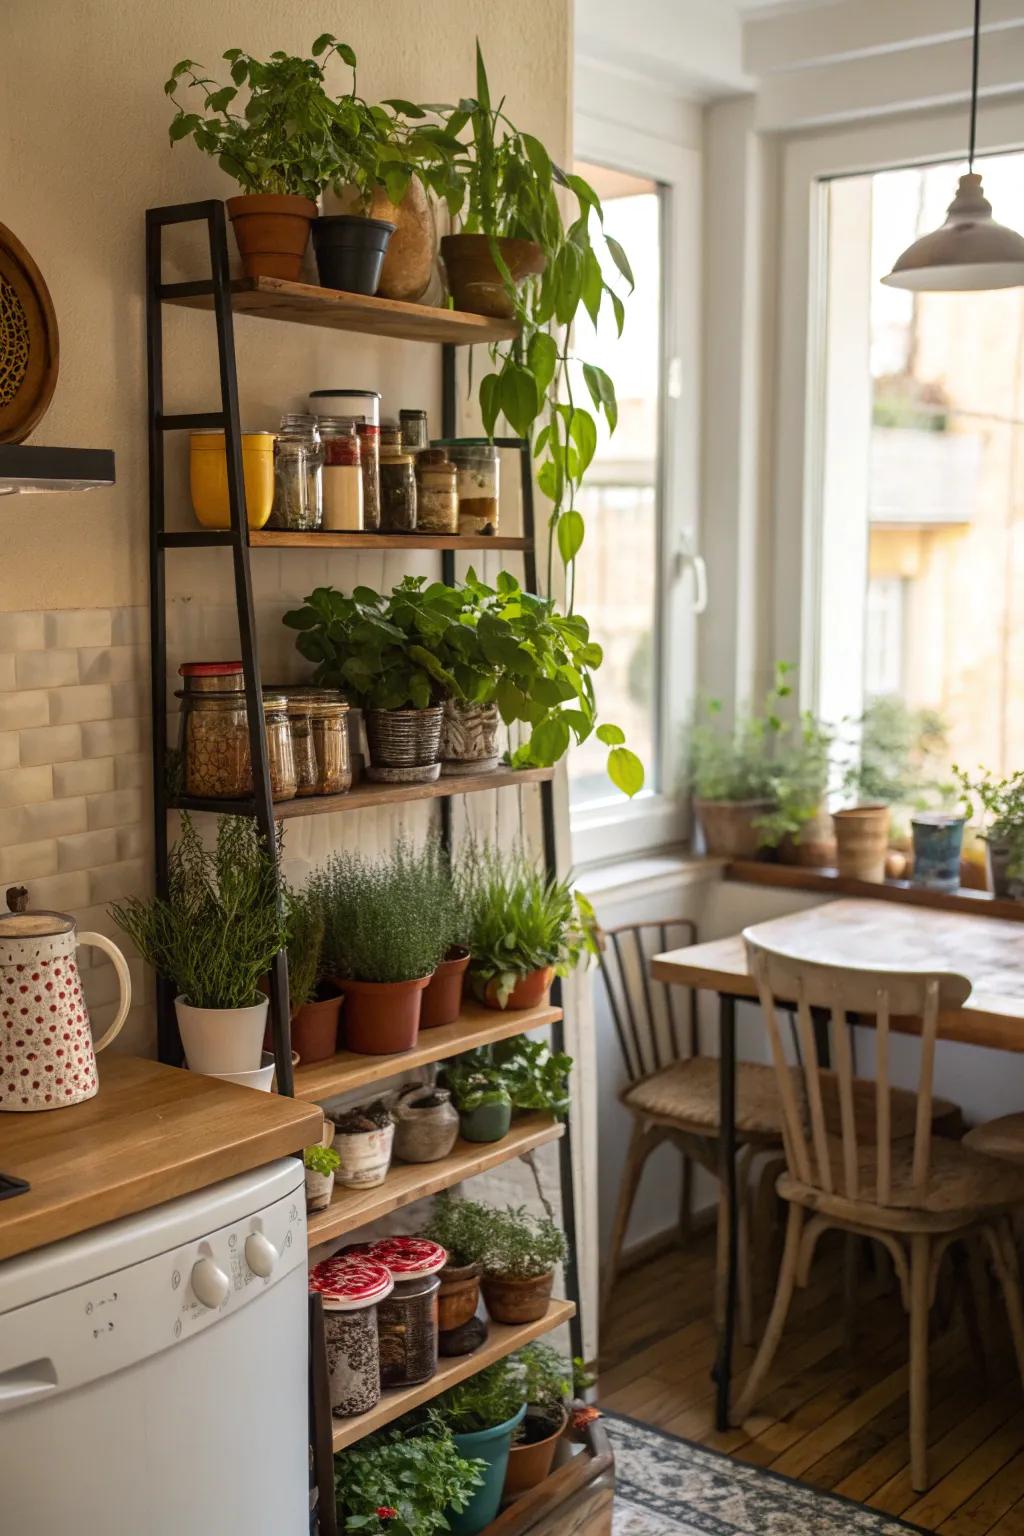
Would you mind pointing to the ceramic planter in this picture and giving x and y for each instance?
(476, 284)
(442, 1001)
(350, 251)
(219, 1040)
(426, 1125)
(315, 1029)
(382, 1017)
(491, 1446)
(938, 839)
(319, 1188)
(728, 827)
(517, 1301)
(365, 1156)
(469, 738)
(813, 847)
(998, 857)
(459, 1295)
(862, 839)
(404, 744)
(272, 232)
(412, 249)
(531, 991)
(488, 1122)
(529, 1463)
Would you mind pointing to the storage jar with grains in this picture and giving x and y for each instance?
(280, 757)
(407, 1319)
(352, 1287)
(329, 723)
(478, 486)
(342, 475)
(437, 500)
(215, 745)
(397, 492)
(303, 751)
(369, 453)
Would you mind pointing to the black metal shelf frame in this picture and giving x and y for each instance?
(236, 538)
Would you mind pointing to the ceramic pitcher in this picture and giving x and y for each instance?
(47, 1053)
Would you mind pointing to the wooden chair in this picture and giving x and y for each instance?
(999, 1138)
(916, 1196)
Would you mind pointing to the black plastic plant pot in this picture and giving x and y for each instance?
(350, 251)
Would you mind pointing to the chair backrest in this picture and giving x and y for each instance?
(839, 991)
(654, 1025)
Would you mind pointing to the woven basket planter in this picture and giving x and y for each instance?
(404, 742)
(469, 738)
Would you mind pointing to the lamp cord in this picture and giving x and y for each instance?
(974, 82)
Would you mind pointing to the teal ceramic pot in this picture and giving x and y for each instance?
(488, 1122)
(938, 838)
(491, 1446)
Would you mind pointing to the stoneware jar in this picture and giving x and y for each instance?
(351, 1287)
(426, 1124)
(47, 1054)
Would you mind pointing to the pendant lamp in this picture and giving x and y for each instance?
(970, 251)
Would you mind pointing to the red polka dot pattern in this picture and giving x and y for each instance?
(46, 1050)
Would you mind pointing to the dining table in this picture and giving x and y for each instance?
(988, 951)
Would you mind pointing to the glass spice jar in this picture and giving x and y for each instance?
(390, 437)
(397, 492)
(351, 1288)
(212, 677)
(407, 1319)
(358, 404)
(303, 750)
(414, 430)
(342, 475)
(329, 727)
(437, 500)
(298, 475)
(478, 466)
(369, 452)
(215, 745)
(280, 755)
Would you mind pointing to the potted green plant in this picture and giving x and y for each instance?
(363, 1139)
(799, 824)
(461, 1227)
(547, 1381)
(321, 1164)
(280, 148)
(519, 1264)
(214, 936)
(315, 999)
(1000, 802)
(483, 1413)
(530, 1075)
(895, 769)
(442, 999)
(382, 943)
(483, 1101)
(733, 772)
(408, 1480)
(525, 928)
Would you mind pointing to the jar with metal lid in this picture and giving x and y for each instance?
(360, 404)
(215, 760)
(352, 1287)
(369, 452)
(397, 491)
(407, 1319)
(329, 727)
(478, 485)
(280, 756)
(437, 500)
(342, 476)
(212, 676)
(303, 750)
(298, 471)
(414, 430)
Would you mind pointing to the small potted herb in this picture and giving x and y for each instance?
(547, 1381)
(461, 1227)
(315, 998)
(321, 1164)
(363, 1140)
(442, 1000)
(519, 1265)
(214, 936)
(490, 1083)
(408, 1480)
(799, 825)
(1001, 803)
(524, 928)
(483, 1101)
(483, 1413)
(733, 773)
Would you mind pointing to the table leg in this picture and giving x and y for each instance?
(727, 1174)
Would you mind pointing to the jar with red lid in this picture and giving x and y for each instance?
(212, 676)
(407, 1319)
(343, 490)
(351, 1288)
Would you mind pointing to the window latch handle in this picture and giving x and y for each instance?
(687, 559)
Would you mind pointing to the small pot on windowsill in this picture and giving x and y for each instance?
(998, 858)
(729, 827)
(862, 842)
(813, 847)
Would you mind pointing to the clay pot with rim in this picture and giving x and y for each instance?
(530, 991)
(517, 1301)
(426, 1124)
(813, 847)
(530, 1460)
(476, 284)
(382, 1018)
(728, 827)
(315, 1027)
(442, 1001)
(412, 249)
(272, 232)
(459, 1296)
(862, 840)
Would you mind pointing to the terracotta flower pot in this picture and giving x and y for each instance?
(409, 259)
(529, 992)
(813, 847)
(475, 282)
(862, 838)
(272, 232)
(382, 1017)
(442, 1001)
(530, 1463)
(728, 827)
(315, 1029)
(517, 1301)
(459, 1295)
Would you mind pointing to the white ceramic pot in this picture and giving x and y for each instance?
(222, 1040)
(319, 1188)
(365, 1157)
(262, 1079)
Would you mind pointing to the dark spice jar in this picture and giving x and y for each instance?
(397, 492)
(407, 1319)
(352, 1288)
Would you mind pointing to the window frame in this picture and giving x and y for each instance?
(615, 829)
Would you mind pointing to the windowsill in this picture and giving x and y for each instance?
(830, 883)
(667, 869)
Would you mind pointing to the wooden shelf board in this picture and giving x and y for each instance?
(408, 1182)
(272, 298)
(501, 1341)
(475, 1026)
(829, 882)
(366, 794)
(277, 538)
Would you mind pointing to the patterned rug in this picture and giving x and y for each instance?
(665, 1486)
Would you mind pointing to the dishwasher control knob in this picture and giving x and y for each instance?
(210, 1284)
(260, 1255)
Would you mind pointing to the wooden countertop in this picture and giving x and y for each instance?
(150, 1134)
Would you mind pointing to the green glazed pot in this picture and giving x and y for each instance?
(488, 1122)
(491, 1446)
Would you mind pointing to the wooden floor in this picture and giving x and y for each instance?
(831, 1416)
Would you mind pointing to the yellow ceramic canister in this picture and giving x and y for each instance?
(208, 477)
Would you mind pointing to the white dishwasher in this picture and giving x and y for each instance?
(153, 1373)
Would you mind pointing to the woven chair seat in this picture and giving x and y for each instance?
(960, 1182)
